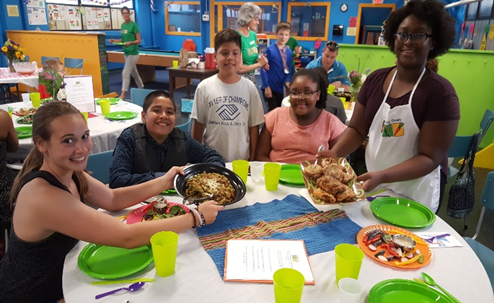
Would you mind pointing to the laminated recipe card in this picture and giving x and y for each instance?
(257, 260)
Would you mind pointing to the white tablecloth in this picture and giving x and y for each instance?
(7, 77)
(196, 278)
(104, 132)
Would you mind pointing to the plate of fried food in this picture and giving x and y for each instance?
(202, 180)
(331, 180)
(25, 111)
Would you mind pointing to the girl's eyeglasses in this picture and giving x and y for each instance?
(299, 94)
(417, 37)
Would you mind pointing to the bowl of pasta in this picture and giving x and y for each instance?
(202, 179)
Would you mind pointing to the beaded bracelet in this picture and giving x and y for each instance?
(203, 220)
(194, 212)
(194, 219)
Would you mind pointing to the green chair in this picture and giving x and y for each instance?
(98, 165)
(485, 254)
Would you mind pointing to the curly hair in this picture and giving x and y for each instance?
(431, 12)
(247, 12)
(320, 78)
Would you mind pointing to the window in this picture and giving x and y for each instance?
(227, 16)
(485, 9)
(183, 18)
(472, 11)
(309, 20)
(87, 15)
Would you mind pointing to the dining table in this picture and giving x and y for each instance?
(196, 278)
(104, 132)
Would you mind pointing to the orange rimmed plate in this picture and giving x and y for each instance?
(311, 184)
(137, 214)
(424, 248)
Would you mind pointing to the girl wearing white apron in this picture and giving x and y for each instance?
(393, 139)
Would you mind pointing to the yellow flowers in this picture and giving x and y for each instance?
(13, 51)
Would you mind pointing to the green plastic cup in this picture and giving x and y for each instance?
(86, 115)
(9, 110)
(241, 168)
(175, 64)
(105, 106)
(288, 285)
(35, 99)
(331, 89)
(164, 244)
(272, 175)
(348, 259)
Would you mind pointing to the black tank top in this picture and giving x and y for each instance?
(32, 271)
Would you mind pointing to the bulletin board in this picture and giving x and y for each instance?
(116, 16)
(64, 17)
(96, 18)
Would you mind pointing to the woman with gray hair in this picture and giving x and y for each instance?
(248, 20)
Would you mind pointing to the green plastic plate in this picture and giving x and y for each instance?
(405, 291)
(24, 131)
(402, 212)
(113, 101)
(23, 120)
(121, 115)
(108, 262)
(118, 43)
(291, 174)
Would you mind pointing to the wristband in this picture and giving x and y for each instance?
(194, 219)
(200, 216)
(203, 220)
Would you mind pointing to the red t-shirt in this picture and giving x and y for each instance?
(435, 99)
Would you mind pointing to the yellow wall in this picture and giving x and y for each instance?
(63, 45)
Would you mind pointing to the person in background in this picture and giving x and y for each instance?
(50, 215)
(336, 70)
(410, 113)
(227, 109)
(147, 150)
(55, 65)
(333, 103)
(293, 45)
(131, 37)
(277, 78)
(8, 143)
(293, 134)
(248, 20)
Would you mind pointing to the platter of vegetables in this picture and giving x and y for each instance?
(394, 246)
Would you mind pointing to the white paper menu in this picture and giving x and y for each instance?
(257, 260)
(79, 92)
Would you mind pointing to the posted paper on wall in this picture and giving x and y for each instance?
(79, 92)
(257, 260)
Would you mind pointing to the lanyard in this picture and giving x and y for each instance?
(283, 58)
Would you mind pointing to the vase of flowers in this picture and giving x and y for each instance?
(356, 81)
(13, 52)
(53, 81)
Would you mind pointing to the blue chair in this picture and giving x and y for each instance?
(43, 59)
(137, 95)
(485, 254)
(73, 64)
(186, 126)
(99, 165)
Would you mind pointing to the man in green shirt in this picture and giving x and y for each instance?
(131, 37)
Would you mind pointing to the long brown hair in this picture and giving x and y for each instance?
(42, 131)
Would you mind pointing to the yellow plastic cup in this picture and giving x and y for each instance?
(9, 110)
(241, 168)
(105, 106)
(35, 99)
(272, 175)
(164, 245)
(175, 64)
(85, 114)
(348, 260)
(343, 100)
(331, 89)
(288, 285)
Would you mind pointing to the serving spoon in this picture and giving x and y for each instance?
(429, 281)
(320, 149)
(131, 288)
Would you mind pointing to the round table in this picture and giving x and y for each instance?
(104, 132)
(196, 278)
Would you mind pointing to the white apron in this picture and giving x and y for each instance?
(393, 139)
